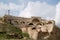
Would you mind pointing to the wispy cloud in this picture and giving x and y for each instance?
(57, 16)
(38, 9)
(11, 6)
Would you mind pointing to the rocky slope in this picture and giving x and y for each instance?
(55, 34)
(37, 28)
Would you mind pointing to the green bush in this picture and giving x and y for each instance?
(25, 34)
(13, 29)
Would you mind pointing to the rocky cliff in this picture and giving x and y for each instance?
(36, 27)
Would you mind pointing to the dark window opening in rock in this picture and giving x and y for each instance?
(4, 20)
(49, 22)
(33, 28)
(51, 33)
(39, 24)
(43, 24)
(9, 21)
(22, 22)
(35, 20)
(16, 22)
(30, 23)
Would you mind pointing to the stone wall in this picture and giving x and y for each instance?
(36, 27)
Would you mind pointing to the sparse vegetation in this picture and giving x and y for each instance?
(10, 29)
(12, 32)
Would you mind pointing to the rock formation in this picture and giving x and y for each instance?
(36, 27)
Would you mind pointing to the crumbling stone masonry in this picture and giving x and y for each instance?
(36, 27)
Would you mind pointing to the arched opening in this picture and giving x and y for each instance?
(35, 20)
(39, 23)
(16, 22)
(33, 28)
(22, 22)
(49, 22)
(30, 23)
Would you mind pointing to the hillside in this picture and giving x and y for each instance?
(8, 31)
(34, 28)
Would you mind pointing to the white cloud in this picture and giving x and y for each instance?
(46, 0)
(57, 16)
(49, 18)
(11, 6)
(3, 6)
(38, 9)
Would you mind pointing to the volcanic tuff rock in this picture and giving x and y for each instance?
(36, 27)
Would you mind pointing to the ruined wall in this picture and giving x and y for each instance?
(36, 27)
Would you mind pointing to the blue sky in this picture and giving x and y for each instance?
(25, 3)
(27, 8)
(51, 2)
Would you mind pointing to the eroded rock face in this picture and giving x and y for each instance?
(37, 28)
(42, 30)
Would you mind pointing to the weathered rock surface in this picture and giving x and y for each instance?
(36, 27)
